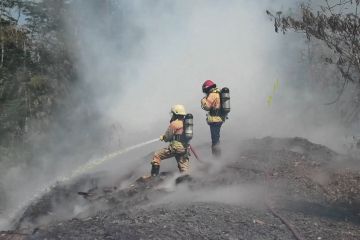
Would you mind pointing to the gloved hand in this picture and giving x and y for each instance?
(162, 138)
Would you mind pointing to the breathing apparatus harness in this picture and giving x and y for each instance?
(215, 112)
(224, 109)
(187, 134)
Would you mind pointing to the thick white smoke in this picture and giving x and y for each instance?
(141, 57)
(170, 47)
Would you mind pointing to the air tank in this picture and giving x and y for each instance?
(225, 100)
(188, 126)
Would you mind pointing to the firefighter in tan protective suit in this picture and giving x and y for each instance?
(178, 146)
(212, 104)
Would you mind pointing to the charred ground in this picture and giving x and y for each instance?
(312, 187)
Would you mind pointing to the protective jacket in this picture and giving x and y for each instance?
(174, 135)
(212, 104)
(177, 147)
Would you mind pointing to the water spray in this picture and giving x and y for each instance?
(81, 170)
(90, 165)
(77, 172)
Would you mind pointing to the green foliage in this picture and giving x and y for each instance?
(336, 26)
(38, 75)
(34, 65)
(37, 82)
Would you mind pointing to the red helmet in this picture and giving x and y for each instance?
(208, 84)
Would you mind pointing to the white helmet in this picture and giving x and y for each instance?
(178, 110)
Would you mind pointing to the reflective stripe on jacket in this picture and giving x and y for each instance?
(212, 104)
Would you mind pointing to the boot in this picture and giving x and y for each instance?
(155, 169)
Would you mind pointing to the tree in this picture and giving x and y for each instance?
(35, 65)
(337, 25)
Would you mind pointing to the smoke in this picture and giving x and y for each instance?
(151, 56)
(138, 58)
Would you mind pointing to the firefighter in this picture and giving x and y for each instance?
(178, 147)
(212, 104)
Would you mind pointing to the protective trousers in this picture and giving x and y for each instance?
(180, 155)
(215, 132)
(215, 137)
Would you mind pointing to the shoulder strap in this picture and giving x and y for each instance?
(215, 90)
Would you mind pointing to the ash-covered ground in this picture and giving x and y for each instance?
(312, 188)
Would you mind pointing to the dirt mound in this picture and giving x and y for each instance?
(302, 181)
(188, 221)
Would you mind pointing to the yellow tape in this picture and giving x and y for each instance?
(276, 86)
(269, 99)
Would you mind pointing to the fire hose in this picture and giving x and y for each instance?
(270, 207)
(88, 166)
(268, 203)
(195, 154)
